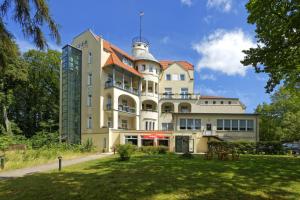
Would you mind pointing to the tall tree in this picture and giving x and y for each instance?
(11, 75)
(278, 35)
(36, 107)
(280, 120)
(32, 16)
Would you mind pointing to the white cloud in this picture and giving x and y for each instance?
(224, 5)
(165, 40)
(204, 90)
(208, 77)
(187, 2)
(222, 51)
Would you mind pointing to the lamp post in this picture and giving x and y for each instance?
(59, 162)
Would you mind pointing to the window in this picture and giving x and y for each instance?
(131, 139)
(229, 102)
(167, 126)
(168, 93)
(206, 102)
(222, 102)
(175, 77)
(184, 93)
(143, 67)
(227, 124)
(182, 124)
(190, 124)
(197, 124)
(89, 100)
(220, 124)
(89, 122)
(182, 77)
(214, 102)
(250, 125)
(184, 109)
(149, 125)
(168, 77)
(153, 125)
(124, 124)
(146, 125)
(89, 79)
(90, 58)
(151, 68)
(242, 125)
(235, 125)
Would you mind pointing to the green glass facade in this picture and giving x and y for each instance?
(71, 95)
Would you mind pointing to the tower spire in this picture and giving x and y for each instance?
(141, 15)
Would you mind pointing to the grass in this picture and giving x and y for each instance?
(164, 177)
(29, 158)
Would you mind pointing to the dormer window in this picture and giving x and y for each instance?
(182, 77)
(168, 77)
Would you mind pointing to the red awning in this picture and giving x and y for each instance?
(156, 134)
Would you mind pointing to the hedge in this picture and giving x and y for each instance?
(263, 147)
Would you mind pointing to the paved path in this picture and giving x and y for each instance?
(51, 166)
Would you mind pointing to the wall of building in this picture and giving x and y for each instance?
(176, 85)
(88, 43)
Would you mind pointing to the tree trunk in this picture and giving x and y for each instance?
(6, 122)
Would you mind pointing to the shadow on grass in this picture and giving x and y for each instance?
(164, 177)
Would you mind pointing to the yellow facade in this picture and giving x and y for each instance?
(127, 98)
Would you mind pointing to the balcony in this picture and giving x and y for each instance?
(186, 96)
(125, 87)
(127, 109)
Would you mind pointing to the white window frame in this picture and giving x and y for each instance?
(89, 81)
(89, 122)
(89, 100)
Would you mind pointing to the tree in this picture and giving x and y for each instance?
(36, 107)
(11, 75)
(32, 15)
(278, 36)
(280, 120)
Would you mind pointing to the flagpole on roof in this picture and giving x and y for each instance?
(141, 14)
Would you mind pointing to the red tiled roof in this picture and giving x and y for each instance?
(186, 65)
(113, 59)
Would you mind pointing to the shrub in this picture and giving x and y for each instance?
(44, 139)
(152, 150)
(87, 146)
(265, 147)
(125, 151)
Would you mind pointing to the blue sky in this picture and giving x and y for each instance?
(208, 33)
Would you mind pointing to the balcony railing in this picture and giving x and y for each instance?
(122, 108)
(125, 87)
(127, 109)
(178, 96)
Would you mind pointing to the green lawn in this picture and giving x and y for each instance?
(163, 177)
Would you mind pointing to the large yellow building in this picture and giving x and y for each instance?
(113, 98)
